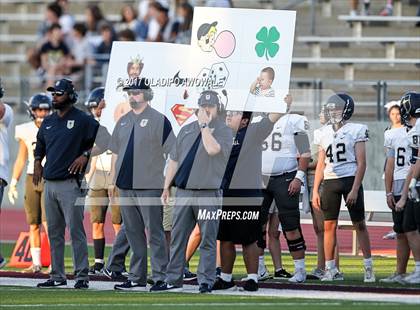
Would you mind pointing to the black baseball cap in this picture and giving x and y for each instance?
(204, 29)
(208, 97)
(136, 84)
(63, 85)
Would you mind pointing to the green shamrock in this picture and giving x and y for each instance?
(266, 44)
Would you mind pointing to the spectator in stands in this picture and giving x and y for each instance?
(354, 4)
(52, 16)
(166, 32)
(104, 48)
(129, 21)
(66, 19)
(94, 20)
(82, 49)
(126, 35)
(54, 54)
(184, 23)
(219, 3)
(388, 9)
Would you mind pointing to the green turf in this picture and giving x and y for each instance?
(63, 299)
(351, 266)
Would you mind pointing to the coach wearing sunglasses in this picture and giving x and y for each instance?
(140, 141)
(65, 138)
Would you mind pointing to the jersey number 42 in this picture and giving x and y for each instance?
(339, 155)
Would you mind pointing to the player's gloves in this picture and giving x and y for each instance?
(13, 193)
(412, 190)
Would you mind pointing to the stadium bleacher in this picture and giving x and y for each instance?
(361, 60)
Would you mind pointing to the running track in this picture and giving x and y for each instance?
(12, 222)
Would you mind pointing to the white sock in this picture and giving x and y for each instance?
(261, 261)
(330, 264)
(368, 262)
(227, 277)
(253, 276)
(417, 266)
(100, 261)
(299, 263)
(36, 256)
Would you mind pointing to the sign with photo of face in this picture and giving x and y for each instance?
(163, 65)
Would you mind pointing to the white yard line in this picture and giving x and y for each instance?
(263, 292)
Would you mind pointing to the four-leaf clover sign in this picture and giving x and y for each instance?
(267, 42)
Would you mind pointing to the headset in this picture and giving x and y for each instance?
(73, 96)
(147, 94)
(221, 108)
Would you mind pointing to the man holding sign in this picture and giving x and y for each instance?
(139, 143)
(196, 168)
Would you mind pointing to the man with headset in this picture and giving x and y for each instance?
(140, 141)
(65, 138)
(196, 167)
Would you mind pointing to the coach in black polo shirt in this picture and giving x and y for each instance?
(196, 168)
(65, 138)
(140, 141)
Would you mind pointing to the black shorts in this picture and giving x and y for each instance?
(411, 218)
(277, 189)
(398, 218)
(333, 191)
(238, 229)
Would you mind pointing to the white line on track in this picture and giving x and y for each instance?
(264, 292)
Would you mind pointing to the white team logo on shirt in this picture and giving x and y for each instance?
(144, 122)
(70, 124)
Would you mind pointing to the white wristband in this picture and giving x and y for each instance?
(413, 183)
(13, 182)
(300, 175)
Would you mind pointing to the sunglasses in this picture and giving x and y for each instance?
(57, 93)
(134, 92)
(233, 113)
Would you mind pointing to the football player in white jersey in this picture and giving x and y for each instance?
(39, 107)
(342, 165)
(409, 203)
(397, 165)
(283, 176)
(317, 215)
(99, 184)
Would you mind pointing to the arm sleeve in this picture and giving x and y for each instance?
(114, 143)
(91, 132)
(263, 129)
(414, 155)
(224, 138)
(168, 136)
(362, 134)
(40, 150)
(302, 142)
(102, 138)
(174, 154)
